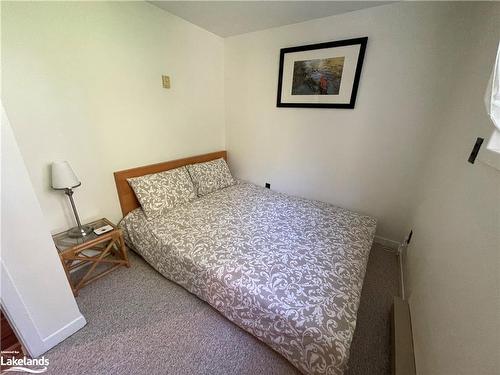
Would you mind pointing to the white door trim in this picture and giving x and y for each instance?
(22, 322)
(18, 315)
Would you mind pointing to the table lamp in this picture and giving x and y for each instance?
(63, 178)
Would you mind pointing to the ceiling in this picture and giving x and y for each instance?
(227, 18)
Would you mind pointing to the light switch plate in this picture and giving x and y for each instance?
(166, 82)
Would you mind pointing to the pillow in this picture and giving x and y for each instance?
(159, 192)
(210, 176)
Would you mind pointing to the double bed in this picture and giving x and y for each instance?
(286, 269)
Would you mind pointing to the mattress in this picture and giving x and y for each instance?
(286, 269)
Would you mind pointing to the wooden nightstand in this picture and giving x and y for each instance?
(103, 254)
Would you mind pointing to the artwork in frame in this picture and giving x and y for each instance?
(324, 75)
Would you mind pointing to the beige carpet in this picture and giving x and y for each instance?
(141, 323)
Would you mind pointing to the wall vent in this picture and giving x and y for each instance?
(403, 358)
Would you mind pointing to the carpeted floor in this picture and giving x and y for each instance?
(141, 323)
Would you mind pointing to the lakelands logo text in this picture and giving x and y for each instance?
(29, 365)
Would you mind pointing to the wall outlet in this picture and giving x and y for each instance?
(268, 185)
(408, 239)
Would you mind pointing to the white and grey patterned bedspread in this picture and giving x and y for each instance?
(288, 270)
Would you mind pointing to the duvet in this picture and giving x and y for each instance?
(288, 270)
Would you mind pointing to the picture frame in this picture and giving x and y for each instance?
(323, 75)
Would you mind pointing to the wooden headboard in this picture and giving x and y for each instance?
(128, 200)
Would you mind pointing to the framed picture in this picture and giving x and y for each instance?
(324, 75)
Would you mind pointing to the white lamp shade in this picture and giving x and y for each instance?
(63, 176)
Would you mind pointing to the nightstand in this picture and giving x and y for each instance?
(91, 257)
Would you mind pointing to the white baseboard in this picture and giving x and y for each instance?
(64, 332)
(402, 253)
(387, 243)
(401, 277)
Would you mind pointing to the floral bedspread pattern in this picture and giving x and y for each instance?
(287, 270)
(210, 176)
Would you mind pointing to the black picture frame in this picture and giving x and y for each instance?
(339, 43)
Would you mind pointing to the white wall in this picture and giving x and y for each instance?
(35, 291)
(454, 257)
(363, 159)
(82, 82)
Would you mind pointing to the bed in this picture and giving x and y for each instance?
(286, 269)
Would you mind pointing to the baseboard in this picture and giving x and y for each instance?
(401, 278)
(64, 332)
(399, 249)
(402, 254)
(387, 243)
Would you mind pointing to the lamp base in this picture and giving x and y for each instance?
(79, 232)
